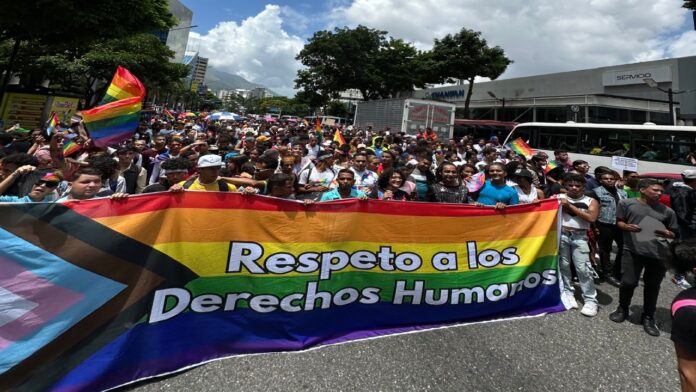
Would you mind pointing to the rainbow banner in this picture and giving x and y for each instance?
(521, 148)
(102, 293)
(116, 120)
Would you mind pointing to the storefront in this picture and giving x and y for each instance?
(623, 94)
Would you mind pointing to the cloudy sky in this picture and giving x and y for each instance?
(259, 40)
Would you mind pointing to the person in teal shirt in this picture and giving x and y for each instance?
(495, 192)
(346, 180)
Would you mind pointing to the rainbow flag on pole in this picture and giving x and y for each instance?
(118, 119)
(338, 138)
(521, 148)
(53, 124)
(123, 86)
(317, 124)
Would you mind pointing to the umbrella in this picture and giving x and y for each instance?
(224, 116)
(190, 114)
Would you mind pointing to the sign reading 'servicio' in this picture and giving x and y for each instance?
(636, 76)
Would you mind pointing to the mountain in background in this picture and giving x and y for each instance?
(217, 80)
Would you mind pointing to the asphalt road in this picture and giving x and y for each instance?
(563, 351)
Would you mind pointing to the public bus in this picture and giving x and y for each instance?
(482, 129)
(658, 148)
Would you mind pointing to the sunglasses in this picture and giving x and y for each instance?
(48, 184)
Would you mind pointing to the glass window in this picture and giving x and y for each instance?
(552, 114)
(605, 142)
(674, 147)
(527, 134)
(660, 118)
(560, 138)
(517, 114)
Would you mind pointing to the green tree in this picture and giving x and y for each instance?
(310, 99)
(359, 58)
(88, 71)
(76, 23)
(337, 108)
(464, 56)
(690, 4)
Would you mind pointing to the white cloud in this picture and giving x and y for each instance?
(541, 36)
(258, 49)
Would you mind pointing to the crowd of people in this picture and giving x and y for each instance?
(304, 162)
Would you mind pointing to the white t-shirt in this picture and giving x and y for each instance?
(526, 198)
(312, 175)
(365, 181)
(574, 221)
(312, 151)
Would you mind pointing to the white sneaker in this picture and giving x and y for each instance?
(589, 309)
(568, 300)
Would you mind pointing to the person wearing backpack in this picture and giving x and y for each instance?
(208, 169)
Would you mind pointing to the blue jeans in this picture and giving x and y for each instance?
(574, 248)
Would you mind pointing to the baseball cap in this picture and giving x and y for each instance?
(324, 155)
(524, 173)
(209, 161)
(689, 174)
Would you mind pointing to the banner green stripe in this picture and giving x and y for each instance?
(281, 286)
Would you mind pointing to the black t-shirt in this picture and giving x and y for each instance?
(684, 320)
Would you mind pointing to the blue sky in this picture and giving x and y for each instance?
(208, 13)
(259, 40)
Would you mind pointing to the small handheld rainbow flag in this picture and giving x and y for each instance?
(169, 114)
(116, 121)
(70, 147)
(317, 124)
(521, 148)
(476, 182)
(53, 124)
(550, 166)
(338, 138)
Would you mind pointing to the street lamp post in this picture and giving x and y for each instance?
(502, 101)
(670, 96)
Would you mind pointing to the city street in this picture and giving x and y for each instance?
(563, 351)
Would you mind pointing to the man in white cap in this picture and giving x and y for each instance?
(208, 168)
(683, 198)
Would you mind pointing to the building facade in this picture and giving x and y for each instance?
(198, 66)
(261, 93)
(627, 94)
(176, 38)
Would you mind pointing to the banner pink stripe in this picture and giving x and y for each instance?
(682, 303)
(51, 300)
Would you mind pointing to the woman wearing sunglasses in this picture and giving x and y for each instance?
(43, 191)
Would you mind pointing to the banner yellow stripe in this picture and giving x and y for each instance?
(214, 225)
(210, 259)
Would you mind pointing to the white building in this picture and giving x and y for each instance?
(628, 93)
